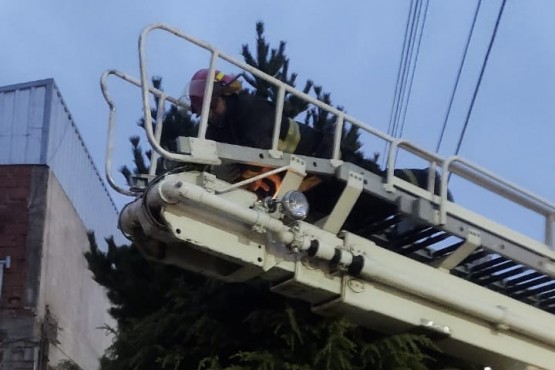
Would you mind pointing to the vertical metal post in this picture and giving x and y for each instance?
(391, 157)
(274, 152)
(207, 100)
(157, 134)
(336, 160)
(432, 178)
(549, 226)
(3, 264)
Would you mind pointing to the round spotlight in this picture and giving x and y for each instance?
(294, 204)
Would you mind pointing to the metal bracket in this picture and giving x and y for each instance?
(293, 177)
(472, 242)
(345, 204)
(141, 181)
(205, 150)
(208, 181)
(421, 210)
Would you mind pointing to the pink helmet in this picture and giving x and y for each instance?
(228, 85)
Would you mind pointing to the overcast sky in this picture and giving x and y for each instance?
(352, 48)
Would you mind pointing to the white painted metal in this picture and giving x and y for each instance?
(375, 287)
(486, 179)
(344, 206)
(389, 285)
(465, 250)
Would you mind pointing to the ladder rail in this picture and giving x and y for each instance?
(508, 190)
(126, 190)
(454, 164)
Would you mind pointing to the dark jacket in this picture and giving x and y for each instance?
(249, 121)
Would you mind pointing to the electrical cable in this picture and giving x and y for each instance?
(405, 73)
(470, 109)
(401, 64)
(448, 113)
(401, 68)
(474, 95)
(411, 79)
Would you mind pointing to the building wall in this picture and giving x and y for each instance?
(21, 216)
(50, 307)
(36, 127)
(76, 304)
(51, 193)
(23, 119)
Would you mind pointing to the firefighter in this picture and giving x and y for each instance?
(239, 118)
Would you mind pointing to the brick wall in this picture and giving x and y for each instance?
(15, 191)
(22, 207)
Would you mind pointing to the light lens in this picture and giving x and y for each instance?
(295, 205)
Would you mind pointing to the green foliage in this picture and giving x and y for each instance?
(66, 365)
(274, 62)
(176, 122)
(171, 319)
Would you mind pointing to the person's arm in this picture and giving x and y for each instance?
(255, 122)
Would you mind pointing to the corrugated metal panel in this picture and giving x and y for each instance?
(37, 128)
(22, 109)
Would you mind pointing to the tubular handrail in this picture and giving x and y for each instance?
(112, 123)
(456, 165)
(480, 176)
(432, 158)
(111, 129)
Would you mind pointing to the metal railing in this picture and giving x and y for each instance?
(455, 165)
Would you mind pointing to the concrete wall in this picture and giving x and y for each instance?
(50, 308)
(76, 303)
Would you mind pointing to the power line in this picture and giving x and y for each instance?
(448, 113)
(402, 127)
(407, 65)
(408, 60)
(402, 61)
(461, 137)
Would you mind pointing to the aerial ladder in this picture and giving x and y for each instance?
(481, 290)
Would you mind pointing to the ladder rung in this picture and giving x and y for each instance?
(423, 244)
(412, 236)
(521, 279)
(489, 263)
(528, 284)
(447, 250)
(548, 303)
(547, 295)
(490, 270)
(501, 276)
(379, 226)
(477, 255)
(535, 291)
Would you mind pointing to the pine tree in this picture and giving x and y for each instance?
(65, 365)
(169, 318)
(274, 62)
